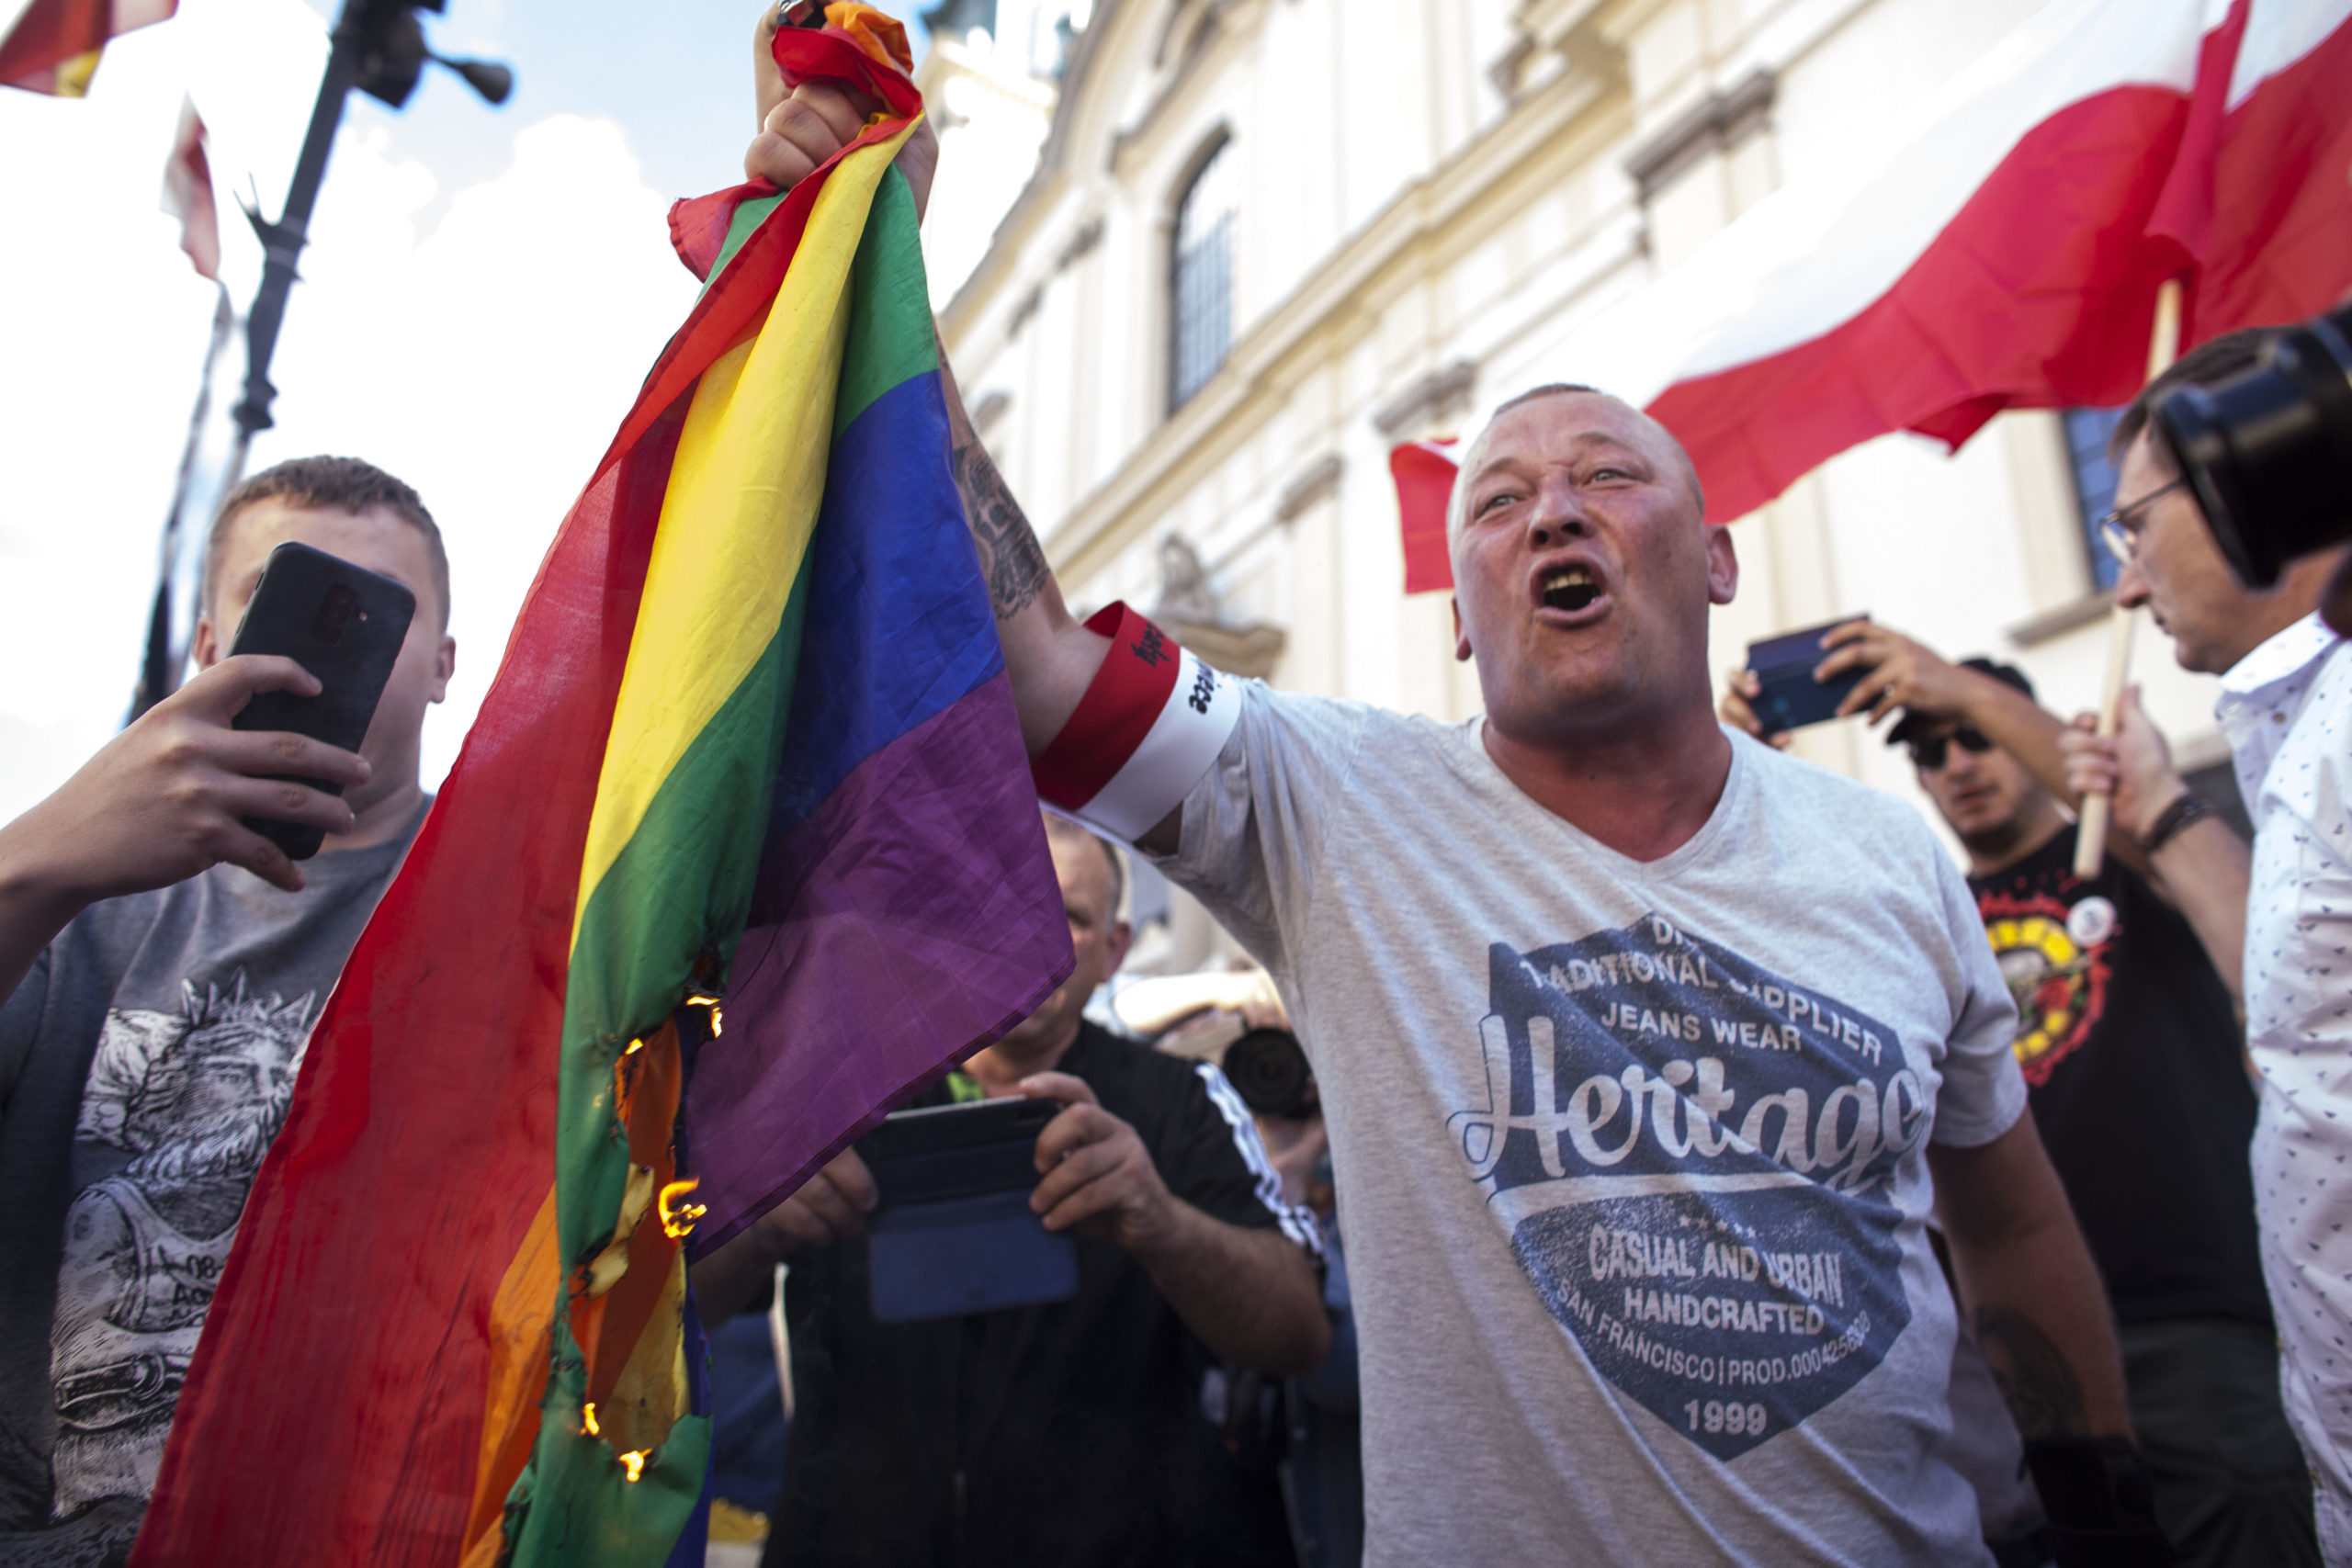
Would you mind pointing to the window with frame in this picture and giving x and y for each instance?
(1201, 277)
(2087, 432)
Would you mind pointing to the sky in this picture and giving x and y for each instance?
(484, 291)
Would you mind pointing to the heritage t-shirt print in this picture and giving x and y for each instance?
(1697, 1159)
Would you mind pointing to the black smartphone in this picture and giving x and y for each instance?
(345, 624)
(1783, 666)
(954, 1233)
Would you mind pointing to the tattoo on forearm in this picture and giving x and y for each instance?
(2037, 1381)
(1009, 555)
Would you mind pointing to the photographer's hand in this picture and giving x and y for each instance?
(2204, 869)
(162, 801)
(830, 1206)
(2134, 766)
(1741, 688)
(1252, 1296)
(1901, 675)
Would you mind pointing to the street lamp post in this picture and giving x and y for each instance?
(379, 48)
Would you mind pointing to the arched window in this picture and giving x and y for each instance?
(1201, 277)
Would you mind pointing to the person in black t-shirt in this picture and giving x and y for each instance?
(2129, 1038)
(1056, 1435)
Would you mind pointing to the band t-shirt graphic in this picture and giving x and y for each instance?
(1633, 1156)
(2131, 1049)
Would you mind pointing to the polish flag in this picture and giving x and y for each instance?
(55, 46)
(2009, 255)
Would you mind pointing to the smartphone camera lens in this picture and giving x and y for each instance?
(334, 613)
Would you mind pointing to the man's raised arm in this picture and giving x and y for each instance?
(1051, 659)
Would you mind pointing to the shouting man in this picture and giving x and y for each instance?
(1645, 1050)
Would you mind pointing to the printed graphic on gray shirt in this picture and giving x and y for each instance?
(194, 1099)
(1697, 1159)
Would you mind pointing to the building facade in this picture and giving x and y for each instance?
(1199, 264)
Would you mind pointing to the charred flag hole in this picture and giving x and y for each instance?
(1645, 1057)
(1731, 1317)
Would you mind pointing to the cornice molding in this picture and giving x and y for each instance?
(1427, 400)
(1718, 122)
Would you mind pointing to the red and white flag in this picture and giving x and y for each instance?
(55, 46)
(2010, 256)
(2258, 214)
(188, 194)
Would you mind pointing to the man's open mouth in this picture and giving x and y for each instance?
(1571, 588)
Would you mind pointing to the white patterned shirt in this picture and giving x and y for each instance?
(2287, 708)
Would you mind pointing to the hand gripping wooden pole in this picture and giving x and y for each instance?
(2090, 840)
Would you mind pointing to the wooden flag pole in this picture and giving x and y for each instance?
(2091, 840)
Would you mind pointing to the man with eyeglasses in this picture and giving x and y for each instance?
(2128, 1041)
(2286, 705)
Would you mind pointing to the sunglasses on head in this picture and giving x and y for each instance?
(1932, 752)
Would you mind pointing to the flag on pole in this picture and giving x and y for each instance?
(55, 44)
(2010, 256)
(188, 194)
(2258, 215)
(744, 831)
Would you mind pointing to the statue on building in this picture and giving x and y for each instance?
(1194, 613)
(1184, 592)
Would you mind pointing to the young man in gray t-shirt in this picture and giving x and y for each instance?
(162, 966)
(1646, 1051)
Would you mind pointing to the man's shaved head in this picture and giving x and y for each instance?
(1476, 451)
(1583, 570)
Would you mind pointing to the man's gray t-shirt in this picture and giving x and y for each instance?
(1630, 1156)
(145, 1065)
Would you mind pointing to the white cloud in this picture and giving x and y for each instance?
(487, 362)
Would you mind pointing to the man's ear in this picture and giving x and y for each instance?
(1122, 936)
(206, 646)
(1461, 637)
(445, 664)
(1723, 565)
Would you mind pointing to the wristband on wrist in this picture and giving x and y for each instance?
(2186, 807)
(1148, 729)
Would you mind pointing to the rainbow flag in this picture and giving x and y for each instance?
(741, 847)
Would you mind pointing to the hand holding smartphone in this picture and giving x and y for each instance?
(346, 626)
(1790, 698)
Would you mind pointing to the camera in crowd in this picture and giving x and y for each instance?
(1268, 1069)
(2269, 452)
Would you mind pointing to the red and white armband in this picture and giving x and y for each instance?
(1146, 732)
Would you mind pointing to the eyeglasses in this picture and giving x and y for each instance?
(2120, 529)
(1932, 752)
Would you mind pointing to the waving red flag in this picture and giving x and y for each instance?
(2008, 254)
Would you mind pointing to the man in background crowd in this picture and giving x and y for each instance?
(162, 966)
(1062, 1433)
(2128, 1036)
(2286, 705)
